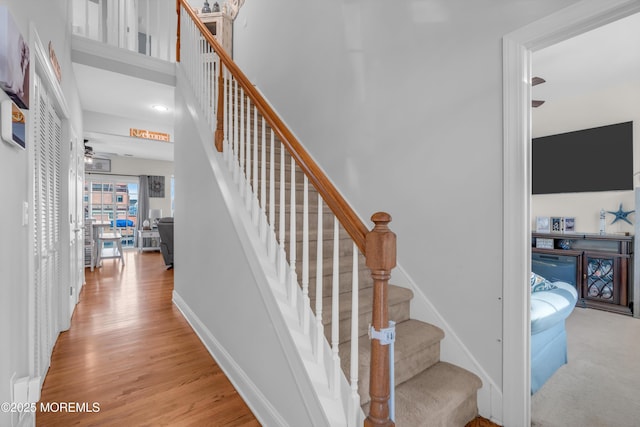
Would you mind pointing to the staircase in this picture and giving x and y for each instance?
(428, 392)
(320, 261)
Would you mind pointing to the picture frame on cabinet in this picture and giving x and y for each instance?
(557, 224)
(569, 224)
(543, 224)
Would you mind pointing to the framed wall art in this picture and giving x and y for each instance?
(14, 60)
(156, 186)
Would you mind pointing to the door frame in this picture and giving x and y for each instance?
(517, 49)
(41, 64)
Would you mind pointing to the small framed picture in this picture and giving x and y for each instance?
(543, 224)
(556, 224)
(570, 224)
(544, 243)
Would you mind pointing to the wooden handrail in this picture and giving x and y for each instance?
(332, 197)
(178, 32)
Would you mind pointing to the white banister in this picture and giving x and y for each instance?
(254, 199)
(353, 368)
(248, 165)
(226, 152)
(305, 255)
(335, 309)
(282, 261)
(253, 150)
(263, 184)
(319, 276)
(236, 133)
(293, 277)
(272, 200)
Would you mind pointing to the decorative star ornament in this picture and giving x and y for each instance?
(621, 214)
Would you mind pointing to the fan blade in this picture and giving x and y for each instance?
(535, 103)
(537, 81)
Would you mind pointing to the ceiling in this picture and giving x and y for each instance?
(594, 61)
(606, 56)
(129, 100)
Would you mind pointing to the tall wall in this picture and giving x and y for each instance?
(50, 19)
(213, 278)
(617, 104)
(401, 103)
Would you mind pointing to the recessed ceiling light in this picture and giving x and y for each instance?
(160, 108)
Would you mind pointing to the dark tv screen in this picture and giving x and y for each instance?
(596, 159)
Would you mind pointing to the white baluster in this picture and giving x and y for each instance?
(225, 109)
(283, 203)
(319, 284)
(305, 256)
(248, 167)
(233, 161)
(272, 199)
(236, 140)
(254, 206)
(200, 78)
(355, 397)
(335, 310)
(243, 177)
(263, 186)
(293, 277)
(247, 152)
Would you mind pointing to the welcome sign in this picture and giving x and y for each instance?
(147, 134)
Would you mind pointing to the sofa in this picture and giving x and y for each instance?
(165, 229)
(550, 306)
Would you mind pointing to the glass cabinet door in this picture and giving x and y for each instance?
(602, 282)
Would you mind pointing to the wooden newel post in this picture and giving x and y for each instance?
(380, 245)
(219, 136)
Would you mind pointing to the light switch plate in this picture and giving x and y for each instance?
(25, 213)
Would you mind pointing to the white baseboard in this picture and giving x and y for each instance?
(258, 403)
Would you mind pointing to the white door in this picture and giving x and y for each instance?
(76, 253)
(46, 238)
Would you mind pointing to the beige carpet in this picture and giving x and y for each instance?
(600, 386)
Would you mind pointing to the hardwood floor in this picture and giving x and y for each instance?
(130, 351)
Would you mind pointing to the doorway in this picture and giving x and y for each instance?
(517, 51)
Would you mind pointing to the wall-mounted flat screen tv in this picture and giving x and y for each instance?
(596, 159)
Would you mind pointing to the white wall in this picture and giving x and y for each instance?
(52, 25)
(402, 105)
(214, 279)
(137, 166)
(604, 107)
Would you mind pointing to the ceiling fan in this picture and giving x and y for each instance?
(536, 81)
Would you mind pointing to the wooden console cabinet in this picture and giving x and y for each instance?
(604, 267)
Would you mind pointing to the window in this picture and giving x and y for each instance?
(113, 199)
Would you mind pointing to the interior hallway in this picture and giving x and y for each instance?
(130, 351)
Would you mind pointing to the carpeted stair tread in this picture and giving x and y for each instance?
(417, 348)
(441, 396)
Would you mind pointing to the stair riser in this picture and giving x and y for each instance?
(364, 282)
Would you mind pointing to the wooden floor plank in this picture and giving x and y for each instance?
(130, 350)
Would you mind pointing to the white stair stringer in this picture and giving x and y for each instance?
(286, 320)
